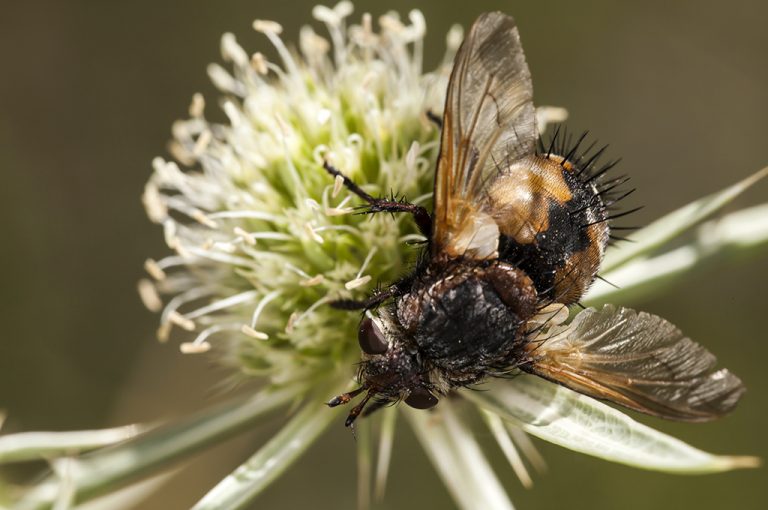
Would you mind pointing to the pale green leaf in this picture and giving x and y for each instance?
(670, 226)
(741, 232)
(364, 463)
(239, 488)
(36, 445)
(583, 424)
(386, 440)
(508, 448)
(106, 470)
(451, 446)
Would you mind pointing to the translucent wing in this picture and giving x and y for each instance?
(489, 121)
(637, 360)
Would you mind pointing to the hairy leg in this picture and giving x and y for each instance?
(376, 205)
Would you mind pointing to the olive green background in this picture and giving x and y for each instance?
(89, 89)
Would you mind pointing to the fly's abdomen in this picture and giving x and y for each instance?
(552, 225)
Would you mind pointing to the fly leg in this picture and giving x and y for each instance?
(377, 205)
(397, 289)
(435, 119)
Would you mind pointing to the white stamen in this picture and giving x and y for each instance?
(259, 335)
(202, 143)
(149, 296)
(175, 244)
(298, 271)
(344, 9)
(186, 297)
(232, 51)
(193, 348)
(267, 26)
(262, 304)
(163, 332)
(247, 236)
(338, 184)
(259, 63)
(335, 211)
(224, 81)
(153, 203)
(410, 157)
(221, 304)
(310, 282)
(253, 215)
(309, 229)
(181, 321)
(311, 44)
(454, 38)
(197, 106)
(367, 260)
(323, 116)
(326, 15)
(154, 269)
(293, 321)
(340, 210)
(357, 282)
(200, 217)
(546, 115)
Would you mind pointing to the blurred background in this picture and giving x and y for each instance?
(87, 96)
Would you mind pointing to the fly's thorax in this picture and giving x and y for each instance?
(465, 319)
(552, 224)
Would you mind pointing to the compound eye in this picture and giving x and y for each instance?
(420, 398)
(371, 339)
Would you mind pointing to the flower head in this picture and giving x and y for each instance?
(263, 237)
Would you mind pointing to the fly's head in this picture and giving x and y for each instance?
(391, 369)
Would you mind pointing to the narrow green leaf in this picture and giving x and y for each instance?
(738, 233)
(496, 425)
(580, 423)
(240, 488)
(670, 226)
(36, 445)
(386, 440)
(108, 469)
(364, 464)
(450, 445)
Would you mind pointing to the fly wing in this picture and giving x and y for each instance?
(488, 122)
(638, 360)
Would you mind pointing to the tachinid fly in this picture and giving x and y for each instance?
(517, 234)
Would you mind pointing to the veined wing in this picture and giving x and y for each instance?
(638, 360)
(488, 122)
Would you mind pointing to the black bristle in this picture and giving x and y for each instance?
(619, 198)
(553, 141)
(593, 159)
(603, 170)
(620, 238)
(575, 147)
(606, 281)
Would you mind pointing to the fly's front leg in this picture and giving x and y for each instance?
(436, 119)
(397, 289)
(377, 205)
